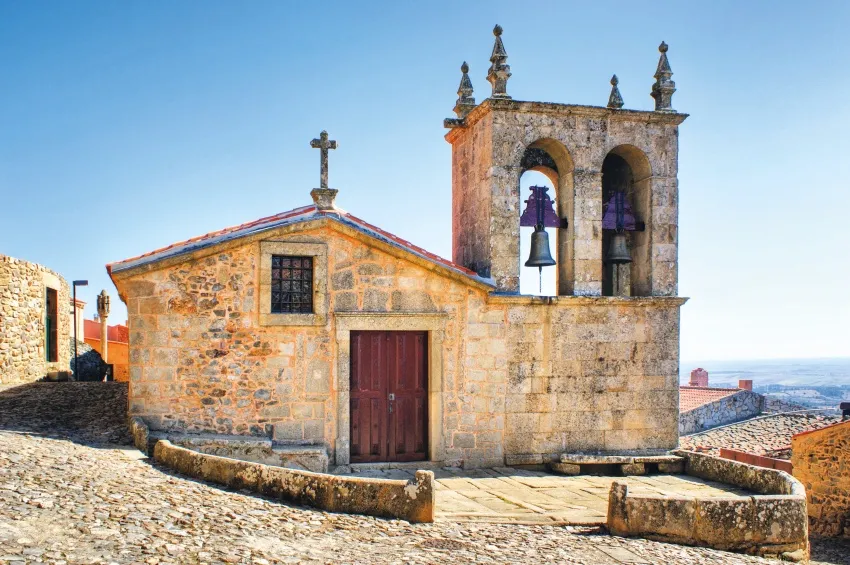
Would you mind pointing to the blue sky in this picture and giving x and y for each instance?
(126, 126)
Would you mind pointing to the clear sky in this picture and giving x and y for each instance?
(126, 126)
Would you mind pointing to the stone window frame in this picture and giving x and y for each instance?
(319, 253)
(432, 322)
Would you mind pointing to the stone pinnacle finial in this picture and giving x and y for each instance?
(103, 304)
(500, 71)
(664, 87)
(465, 101)
(615, 100)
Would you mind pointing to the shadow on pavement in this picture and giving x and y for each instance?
(87, 413)
(834, 551)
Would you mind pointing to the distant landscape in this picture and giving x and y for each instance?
(812, 383)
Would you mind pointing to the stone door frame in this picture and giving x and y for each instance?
(432, 322)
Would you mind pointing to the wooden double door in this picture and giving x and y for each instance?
(389, 396)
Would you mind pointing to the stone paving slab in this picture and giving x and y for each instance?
(506, 494)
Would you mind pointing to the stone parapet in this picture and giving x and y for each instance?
(406, 500)
(749, 477)
(772, 523)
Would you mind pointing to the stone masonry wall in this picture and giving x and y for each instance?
(22, 321)
(727, 410)
(471, 164)
(521, 378)
(821, 460)
(588, 374)
(200, 360)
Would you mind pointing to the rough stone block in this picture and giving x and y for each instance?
(314, 430)
(672, 517)
(673, 468)
(633, 469)
(288, 431)
(565, 468)
(463, 440)
(781, 519)
(725, 522)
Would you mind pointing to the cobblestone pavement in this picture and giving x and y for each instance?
(512, 495)
(72, 490)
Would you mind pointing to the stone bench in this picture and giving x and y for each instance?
(574, 463)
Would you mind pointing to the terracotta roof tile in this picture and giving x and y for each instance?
(763, 435)
(691, 397)
(302, 214)
(841, 422)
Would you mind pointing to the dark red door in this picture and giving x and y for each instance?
(389, 396)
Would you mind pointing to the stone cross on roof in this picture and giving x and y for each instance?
(323, 143)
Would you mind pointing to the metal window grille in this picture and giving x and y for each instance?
(292, 284)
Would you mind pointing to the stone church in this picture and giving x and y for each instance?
(314, 328)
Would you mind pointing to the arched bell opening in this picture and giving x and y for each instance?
(626, 215)
(535, 280)
(547, 162)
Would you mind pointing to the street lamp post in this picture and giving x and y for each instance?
(75, 284)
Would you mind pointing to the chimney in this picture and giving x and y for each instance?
(745, 384)
(699, 377)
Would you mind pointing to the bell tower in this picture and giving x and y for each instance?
(613, 173)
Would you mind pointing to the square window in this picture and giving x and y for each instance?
(288, 272)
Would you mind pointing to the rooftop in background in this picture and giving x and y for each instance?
(691, 397)
(116, 333)
(764, 435)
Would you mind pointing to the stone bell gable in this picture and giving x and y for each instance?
(497, 141)
(501, 139)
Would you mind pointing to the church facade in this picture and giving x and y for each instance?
(315, 328)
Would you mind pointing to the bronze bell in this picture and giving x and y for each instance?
(540, 255)
(618, 251)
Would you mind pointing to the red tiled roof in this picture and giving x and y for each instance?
(841, 423)
(691, 397)
(302, 214)
(762, 435)
(118, 333)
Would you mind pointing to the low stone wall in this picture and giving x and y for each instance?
(727, 410)
(23, 292)
(749, 477)
(141, 435)
(772, 523)
(256, 450)
(820, 463)
(407, 500)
